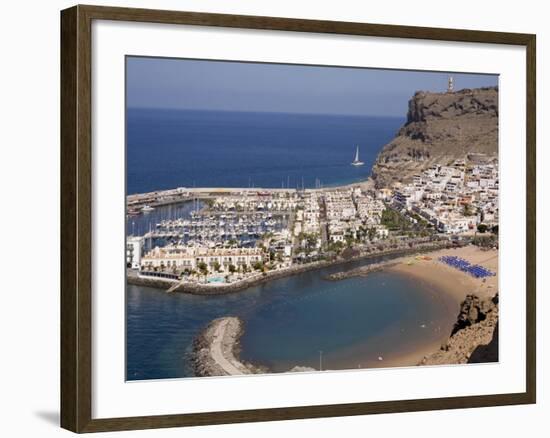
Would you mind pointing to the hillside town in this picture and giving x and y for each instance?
(455, 198)
(237, 234)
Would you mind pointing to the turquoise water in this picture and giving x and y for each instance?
(289, 321)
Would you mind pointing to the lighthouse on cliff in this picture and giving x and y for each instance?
(450, 85)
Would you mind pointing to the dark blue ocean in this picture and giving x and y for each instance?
(181, 148)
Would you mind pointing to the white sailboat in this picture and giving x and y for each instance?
(356, 161)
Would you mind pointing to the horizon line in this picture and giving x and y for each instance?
(262, 111)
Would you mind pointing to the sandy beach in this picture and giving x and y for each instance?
(450, 280)
(446, 284)
(447, 280)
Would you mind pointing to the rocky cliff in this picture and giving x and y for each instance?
(474, 338)
(440, 127)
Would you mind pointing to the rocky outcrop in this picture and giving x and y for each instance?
(474, 338)
(440, 128)
(472, 311)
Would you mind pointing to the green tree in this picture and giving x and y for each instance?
(468, 210)
(336, 247)
(232, 269)
(203, 268)
(371, 233)
(311, 240)
(394, 220)
(482, 228)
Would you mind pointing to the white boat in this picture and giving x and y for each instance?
(356, 161)
(147, 208)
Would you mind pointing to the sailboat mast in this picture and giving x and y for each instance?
(357, 162)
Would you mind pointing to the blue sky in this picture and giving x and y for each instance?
(237, 86)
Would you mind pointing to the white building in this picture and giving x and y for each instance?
(134, 245)
(454, 225)
(179, 257)
(381, 231)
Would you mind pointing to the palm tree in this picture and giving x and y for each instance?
(203, 268)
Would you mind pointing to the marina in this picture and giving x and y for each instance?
(191, 223)
(220, 227)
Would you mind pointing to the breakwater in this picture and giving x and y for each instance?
(216, 349)
(361, 271)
